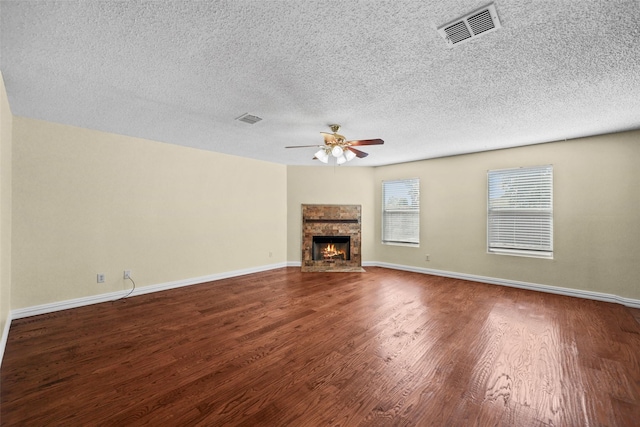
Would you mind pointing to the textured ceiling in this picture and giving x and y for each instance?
(182, 71)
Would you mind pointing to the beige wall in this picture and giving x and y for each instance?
(596, 212)
(596, 215)
(329, 185)
(88, 202)
(6, 124)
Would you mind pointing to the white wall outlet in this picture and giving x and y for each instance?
(127, 274)
(426, 257)
(100, 278)
(270, 254)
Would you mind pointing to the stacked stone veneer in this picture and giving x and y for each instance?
(331, 220)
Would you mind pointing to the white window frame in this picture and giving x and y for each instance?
(520, 211)
(406, 214)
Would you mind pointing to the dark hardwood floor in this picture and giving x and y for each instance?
(283, 347)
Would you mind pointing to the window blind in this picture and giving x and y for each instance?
(520, 211)
(401, 211)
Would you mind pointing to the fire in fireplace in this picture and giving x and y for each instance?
(331, 248)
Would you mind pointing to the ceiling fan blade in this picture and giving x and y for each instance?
(358, 153)
(366, 142)
(304, 146)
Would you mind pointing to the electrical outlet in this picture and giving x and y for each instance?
(100, 278)
(127, 274)
(270, 254)
(426, 257)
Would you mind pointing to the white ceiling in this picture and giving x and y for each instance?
(182, 71)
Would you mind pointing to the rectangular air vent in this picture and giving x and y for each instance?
(248, 118)
(461, 30)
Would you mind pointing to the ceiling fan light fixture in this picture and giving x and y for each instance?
(340, 160)
(349, 155)
(337, 151)
(322, 155)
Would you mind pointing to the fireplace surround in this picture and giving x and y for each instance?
(336, 231)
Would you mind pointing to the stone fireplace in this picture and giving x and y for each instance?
(331, 238)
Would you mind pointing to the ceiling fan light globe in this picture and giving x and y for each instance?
(350, 155)
(337, 151)
(340, 160)
(322, 156)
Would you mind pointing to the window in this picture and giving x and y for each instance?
(520, 211)
(401, 212)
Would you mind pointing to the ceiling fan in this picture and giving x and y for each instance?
(337, 146)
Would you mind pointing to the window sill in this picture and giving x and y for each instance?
(526, 254)
(411, 245)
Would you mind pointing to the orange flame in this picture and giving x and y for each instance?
(330, 251)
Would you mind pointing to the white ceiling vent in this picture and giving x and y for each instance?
(248, 118)
(471, 26)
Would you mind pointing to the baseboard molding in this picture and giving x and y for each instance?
(598, 296)
(96, 299)
(5, 335)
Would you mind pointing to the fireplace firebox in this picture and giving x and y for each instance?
(331, 248)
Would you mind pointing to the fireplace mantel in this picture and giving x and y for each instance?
(331, 220)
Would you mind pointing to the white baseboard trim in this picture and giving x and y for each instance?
(598, 296)
(5, 336)
(96, 299)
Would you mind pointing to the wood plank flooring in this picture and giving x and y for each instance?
(285, 348)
